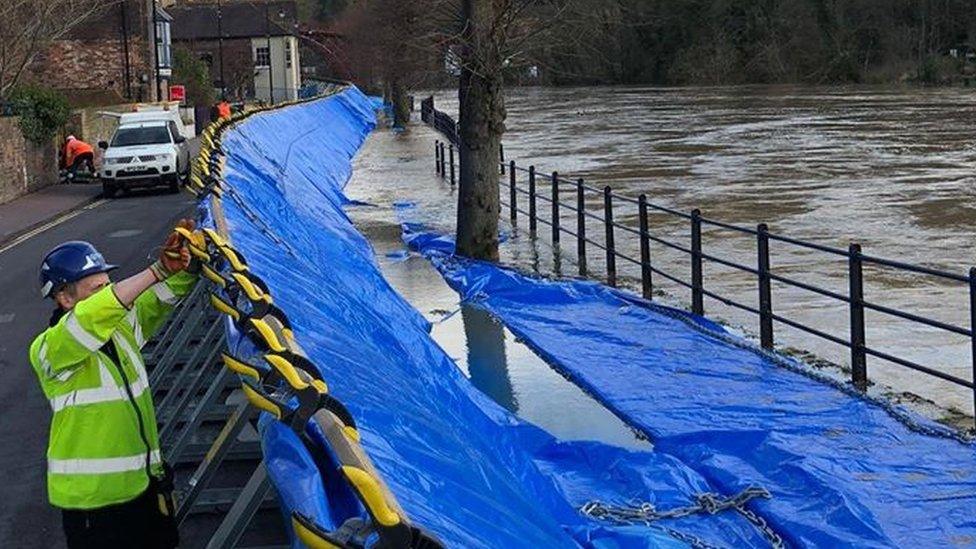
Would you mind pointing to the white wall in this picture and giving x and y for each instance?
(287, 80)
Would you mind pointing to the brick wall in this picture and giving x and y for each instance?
(24, 166)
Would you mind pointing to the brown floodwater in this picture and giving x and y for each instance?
(891, 169)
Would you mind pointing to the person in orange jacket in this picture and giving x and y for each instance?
(223, 109)
(76, 154)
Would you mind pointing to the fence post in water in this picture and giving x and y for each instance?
(697, 297)
(645, 248)
(443, 161)
(512, 195)
(972, 323)
(859, 367)
(580, 228)
(501, 157)
(437, 156)
(532, 221)
(452, 164)
(555, 212)
(608, 222)
(765, 290)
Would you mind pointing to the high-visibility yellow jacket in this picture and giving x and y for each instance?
(97, 453)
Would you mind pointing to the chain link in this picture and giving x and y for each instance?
(707, 503)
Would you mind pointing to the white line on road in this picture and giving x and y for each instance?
(53, 223)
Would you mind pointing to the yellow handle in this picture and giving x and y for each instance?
(260, 401)
(233, 258)
(240, 367)
(372, 495)
(213, 275)
(253, 292)
(309, 537)
(214, 237)
(268, 335)
(224, 307)
(287, 371)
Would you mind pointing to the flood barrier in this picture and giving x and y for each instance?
(365, 422)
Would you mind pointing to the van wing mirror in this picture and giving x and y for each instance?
(179, 139)
(103, 145)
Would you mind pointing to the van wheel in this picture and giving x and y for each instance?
(109, 190)
(174, 185)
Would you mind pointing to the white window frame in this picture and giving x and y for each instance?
(258, 50)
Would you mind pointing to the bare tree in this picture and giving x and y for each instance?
(28, 26)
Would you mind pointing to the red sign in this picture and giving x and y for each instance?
(177, 93)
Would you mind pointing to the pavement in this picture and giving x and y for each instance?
(34, 209)
(125, 230)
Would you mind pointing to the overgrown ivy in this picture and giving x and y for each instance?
(42, 111)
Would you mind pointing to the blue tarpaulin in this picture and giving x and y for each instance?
(843, 471)
(461, 467)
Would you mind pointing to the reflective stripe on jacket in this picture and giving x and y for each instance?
(96, 455)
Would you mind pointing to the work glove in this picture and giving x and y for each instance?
(174, 256)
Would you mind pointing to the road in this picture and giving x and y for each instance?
(125, 230)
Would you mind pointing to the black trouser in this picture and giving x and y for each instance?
(136, 523)
(83, 158)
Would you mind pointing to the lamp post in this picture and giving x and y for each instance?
(267, 36)
(155, 35)
(220, 50)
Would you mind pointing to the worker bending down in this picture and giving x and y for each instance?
(77, 153)
(104, 469)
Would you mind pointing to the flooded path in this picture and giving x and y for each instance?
(891, 169)
(496, 362)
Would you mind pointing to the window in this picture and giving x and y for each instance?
(174, 132)
(288, 53)
(147, 135)
(163, 43)
(262, 57)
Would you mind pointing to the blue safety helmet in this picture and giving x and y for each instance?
(70, 262)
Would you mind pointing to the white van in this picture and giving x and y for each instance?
(147, 149)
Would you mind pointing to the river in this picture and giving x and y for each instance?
(891, 169)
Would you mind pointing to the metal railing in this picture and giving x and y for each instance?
(767, 317)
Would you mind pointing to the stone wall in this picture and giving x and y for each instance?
(93, 71)
(24, 166)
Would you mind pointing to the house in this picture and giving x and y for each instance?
(109, 58)
(251, 47)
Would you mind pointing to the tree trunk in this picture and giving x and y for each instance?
(401, 104)
(482, 123)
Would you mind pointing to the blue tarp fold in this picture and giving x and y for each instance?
(843, 471)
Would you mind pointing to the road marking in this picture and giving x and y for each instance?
(53, 223)
(6, 318)
(124, 233)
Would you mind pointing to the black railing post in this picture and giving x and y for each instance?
(453, 180)
(580, 227)
(555, 211)
(532, 220)
(697, 297)
(437, 156)
(765, 290)
(645, 248)
(501, 157)
(512, 195)
(443, 161)
(859, 366)
(972, 324)
(608, 222)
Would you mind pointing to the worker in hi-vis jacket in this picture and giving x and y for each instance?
(104, 469)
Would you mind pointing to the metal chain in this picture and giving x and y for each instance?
(709, 503)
